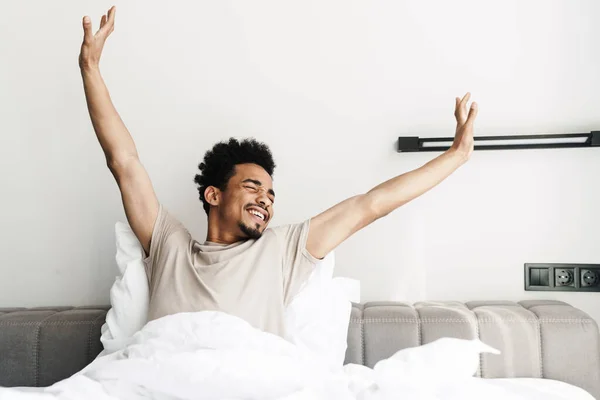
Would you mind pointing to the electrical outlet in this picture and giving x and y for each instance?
(564, 277)
(590, 277)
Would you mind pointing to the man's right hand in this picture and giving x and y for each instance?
(91, 48)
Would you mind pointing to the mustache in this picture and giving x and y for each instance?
(256, 205)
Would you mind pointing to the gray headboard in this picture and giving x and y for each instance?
(537, 338)
(541, 339)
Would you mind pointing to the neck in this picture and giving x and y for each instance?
(217, 234)
(221, 239)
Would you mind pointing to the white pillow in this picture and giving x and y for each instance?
(443, 359)
(317, 318)
(129, 295)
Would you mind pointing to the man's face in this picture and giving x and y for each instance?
(248, 200)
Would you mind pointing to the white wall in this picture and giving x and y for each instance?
(329, 85)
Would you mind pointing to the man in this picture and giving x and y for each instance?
(242, 268)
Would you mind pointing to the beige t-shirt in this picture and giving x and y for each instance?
(252, 279)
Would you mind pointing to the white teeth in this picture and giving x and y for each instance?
(259, 215)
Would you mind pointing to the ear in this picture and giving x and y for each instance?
(212, 195)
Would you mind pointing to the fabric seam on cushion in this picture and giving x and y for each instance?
(541, 349)
(51, 323)
(483, 320)
(363, 355)
(478, 333)
(90, 331)
(419, 327)
(37, 349)
(538, 323)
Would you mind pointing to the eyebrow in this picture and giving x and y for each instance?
(259, 183)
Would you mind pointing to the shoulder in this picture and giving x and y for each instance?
(168, 228)
(168, 236)
(287, 231)
(287, 228)
(292, 237)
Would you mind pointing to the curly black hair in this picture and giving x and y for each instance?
(219, 163)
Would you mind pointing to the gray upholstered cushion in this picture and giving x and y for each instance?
(41, 346)
(540, 339)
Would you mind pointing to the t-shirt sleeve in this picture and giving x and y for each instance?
(298, 263)
(167, 235)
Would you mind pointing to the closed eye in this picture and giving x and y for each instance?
(255, 189)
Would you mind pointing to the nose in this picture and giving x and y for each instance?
(263, 199)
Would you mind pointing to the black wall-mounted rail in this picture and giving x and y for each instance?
(409, 144)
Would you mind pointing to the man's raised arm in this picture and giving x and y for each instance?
(139, 200)
(332, 227)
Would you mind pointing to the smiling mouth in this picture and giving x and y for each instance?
(256, 215)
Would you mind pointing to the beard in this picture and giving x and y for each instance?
(252, 233)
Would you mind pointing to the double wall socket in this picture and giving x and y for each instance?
(563, 277)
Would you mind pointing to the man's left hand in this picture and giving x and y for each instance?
(463, 139)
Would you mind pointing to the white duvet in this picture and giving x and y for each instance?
(212, 355)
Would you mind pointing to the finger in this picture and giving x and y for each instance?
(461, 114)
(110, 21)
(456, 104)
(102, 23)
(87, 28)
(462, 108)
(111, 16)
(464, 101)
(472, 113)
